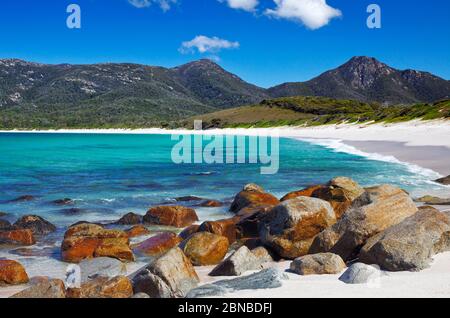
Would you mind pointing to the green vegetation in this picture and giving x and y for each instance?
(312, 111)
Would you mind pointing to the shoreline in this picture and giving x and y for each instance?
(422, 144)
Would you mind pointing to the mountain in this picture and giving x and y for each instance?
(366, 79)
(34, 95)
(108, 90)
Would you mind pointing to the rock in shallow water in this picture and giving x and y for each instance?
(410, 244)
(36, 224)
(444, 180)
(265, 279)
(252, 195)
(17, 237)
(12, 273)
(130, 219)
(137, 230)
(177, 216)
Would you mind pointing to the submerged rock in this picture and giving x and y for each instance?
(171, 275)
(130, 219)
(318, 264)
(17, 237)
(12, 273)
(65, 201)
(409, 245)
(177, 216)
(204, 248)
(380, 208)
(158, 244)
(290, 227)
(36, 224)
(188, 198)
(45, 289)
(23, 198)
(360, 273)
(237, 263)
(211, 204)
(252, 195)
(265, 279)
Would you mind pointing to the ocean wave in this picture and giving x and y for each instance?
(338, 145)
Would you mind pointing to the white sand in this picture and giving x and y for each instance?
(429, 283)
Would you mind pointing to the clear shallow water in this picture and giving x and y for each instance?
(108, 175)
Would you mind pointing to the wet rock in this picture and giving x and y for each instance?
(65, 201)
(137, 230)
(430, 200)
(380, 208)
(290, 227)
(318, 264)
(177, 216)
(36, 224)
(103, 287)
(17, 237)
(45, 289)
(340, 192)
(265, 279)
(211, 204)
(410, 244)
(237, 263)
(12, 273)
(130, 219)
(188, 198)
(204, 248)
(360, 273)
(30, 252)
(72, 211)
(87, 240)
(189, 231)
(158, 244)
(3, 213)
(101, 267)
(23, 198)
(5, 225)
(444, 180)
(252, 196)
(247, 225)
(171, 275)
(225, 227)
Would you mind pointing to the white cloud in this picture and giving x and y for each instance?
(204, 44)
(246, 5)
(164, 4)
(312, 13)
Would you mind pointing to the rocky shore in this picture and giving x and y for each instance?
(338, 229)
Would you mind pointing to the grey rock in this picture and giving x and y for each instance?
(265, 279)
(237, 263)
(410, 244)
(444, 180)
(262, 254)
(101, 267)
(318, 264)
(151, 285)
(360, 273)
(430, 200)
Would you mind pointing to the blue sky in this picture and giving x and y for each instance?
(273, 42)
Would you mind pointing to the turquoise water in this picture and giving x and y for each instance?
(108, 175)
